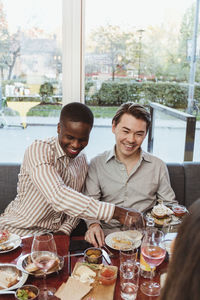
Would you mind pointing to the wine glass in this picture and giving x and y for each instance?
(134, 225)
(153, 251)
(44, 255)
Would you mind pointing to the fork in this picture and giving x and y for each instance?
(111, 254)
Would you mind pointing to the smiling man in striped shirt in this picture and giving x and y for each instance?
(51, 178)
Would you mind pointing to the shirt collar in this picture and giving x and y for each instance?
(111, 154)
(143, 156)
(59, 151)
(146, 156)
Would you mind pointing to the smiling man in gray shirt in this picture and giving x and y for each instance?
(126, 175)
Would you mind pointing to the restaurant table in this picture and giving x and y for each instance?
(57, 278)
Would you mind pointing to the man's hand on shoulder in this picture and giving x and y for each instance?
(95, 235)
(120, 213)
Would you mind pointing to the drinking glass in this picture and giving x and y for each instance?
(127, 262)
(133, 227)
(130, 255)
(44, 255)
(153, 251)
(133, 222)
(129, 281)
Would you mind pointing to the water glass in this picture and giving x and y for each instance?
(130, 255)
(129, 281)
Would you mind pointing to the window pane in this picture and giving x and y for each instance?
(140, 51)
(30, 55)
(30, 73)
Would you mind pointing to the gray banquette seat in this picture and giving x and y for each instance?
(184, 177)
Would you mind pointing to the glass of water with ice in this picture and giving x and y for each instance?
(129, 280)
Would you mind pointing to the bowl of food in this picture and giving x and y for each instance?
(179, 210)
(27, 292)
(107, 275)
(93, 255)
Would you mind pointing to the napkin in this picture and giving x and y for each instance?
(73, 289)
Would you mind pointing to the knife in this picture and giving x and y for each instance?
(106, 257)
(74, 254)
(69, 264)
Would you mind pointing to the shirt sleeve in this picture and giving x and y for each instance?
(165, 191)
(92, 187)
(69, 224)
(47, 180)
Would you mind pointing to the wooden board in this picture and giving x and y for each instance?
(99, 291)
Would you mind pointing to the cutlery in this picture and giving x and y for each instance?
(106, 257)
(74, 254)
(7, 292)
(112, 255)
(69, 264)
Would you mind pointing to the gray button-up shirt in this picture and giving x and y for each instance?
(108, 181)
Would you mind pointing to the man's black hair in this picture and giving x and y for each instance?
(77, 112)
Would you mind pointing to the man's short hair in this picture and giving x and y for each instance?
(77, 112)
(136, 110)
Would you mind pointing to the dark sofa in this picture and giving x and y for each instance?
(184, 177)
(185, 181)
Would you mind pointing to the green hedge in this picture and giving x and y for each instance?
(170, 94)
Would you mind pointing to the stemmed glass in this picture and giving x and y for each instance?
(44, 255)
(133, 225)
(153, 251)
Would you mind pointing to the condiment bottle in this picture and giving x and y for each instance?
(145, 270)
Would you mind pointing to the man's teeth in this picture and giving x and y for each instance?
(73, 151)
(128, 146)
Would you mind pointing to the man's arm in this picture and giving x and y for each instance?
(69, 224)
(61, 197)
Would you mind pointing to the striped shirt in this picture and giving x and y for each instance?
(48, 192)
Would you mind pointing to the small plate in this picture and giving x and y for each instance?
(16, 243)
(11, 268)
(25, 260)
(111, 238)
(171, 221)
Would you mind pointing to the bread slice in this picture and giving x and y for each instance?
(160, 222)
(32, 268)
(7, 279)
(161, 211)
(84, 274)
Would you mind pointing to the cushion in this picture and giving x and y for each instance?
(8, 183)
(177, 179)
(192, 182)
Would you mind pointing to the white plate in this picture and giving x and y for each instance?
(22, 262)
(22, 277)
(122, 235)
(17, 242)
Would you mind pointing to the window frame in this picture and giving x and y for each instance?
(73, 29)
